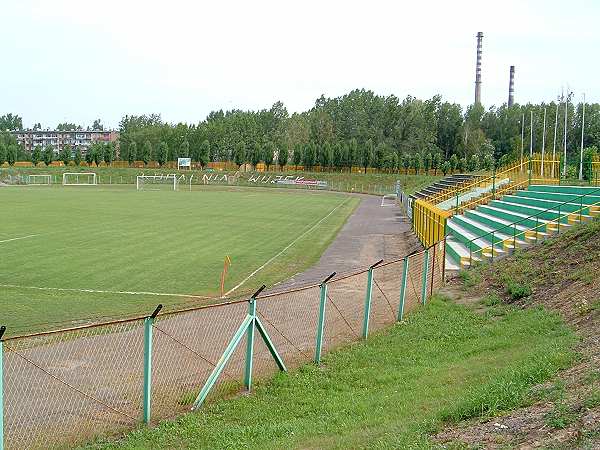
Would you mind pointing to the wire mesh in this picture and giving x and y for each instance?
(344, 310)
(71, 386)
(414, 282)
(66, 387)
(186, 349)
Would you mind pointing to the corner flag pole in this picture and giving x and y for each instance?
(226, 264)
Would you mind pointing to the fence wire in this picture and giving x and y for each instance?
(71, 386)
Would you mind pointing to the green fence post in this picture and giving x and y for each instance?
(2, 330)
(368, 297)
(250, 344)
(424, 281)
(148, 321)
(403, 289)
(321, 320)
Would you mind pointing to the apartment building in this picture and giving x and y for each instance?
(79, 139)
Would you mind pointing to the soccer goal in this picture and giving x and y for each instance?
(157, 182)
(39, 180)
(79, 179)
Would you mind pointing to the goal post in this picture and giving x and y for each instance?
(156, 182)
(39, 180)
(79, 179)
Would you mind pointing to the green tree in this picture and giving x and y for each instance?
(65, 155)
(132, 154)
(98, 153)
(269, 154)
(352, 153)
(89, 155)
(453, 163)
(184, 151)
(3, 153)
(48, 155)
(204, 153)
(488, 162)
(473, 163)
(255, 155)
(367, 154)
(380, 156)
(146, 152)
(77, 158)
(445, 167)
(239, 156)
(282, 156)
(298, 155)
(406, 161)
(109, 153)
(324, 155)
(36, 155)
(427, 162)
(437, 162)
(416, 163)
(162, 153)
(11, 154)
(309, 156)
(462, 164)
(337, 157)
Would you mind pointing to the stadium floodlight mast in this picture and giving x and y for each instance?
(44, 179)
(582, 128)
(81, 179)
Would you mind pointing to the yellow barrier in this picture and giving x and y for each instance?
(429, 222)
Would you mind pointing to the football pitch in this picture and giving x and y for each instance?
(70, 255)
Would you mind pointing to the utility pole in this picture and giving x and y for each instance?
(565, 136)
(531, 135)
(554, 145)
(543, 144)
(582, 128)
(522, 132)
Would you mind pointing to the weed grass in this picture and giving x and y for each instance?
(373, 183)
(445, 363)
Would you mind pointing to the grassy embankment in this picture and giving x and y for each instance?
(444, 364)
(372, 183)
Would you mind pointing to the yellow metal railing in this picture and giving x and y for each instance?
(545, 226)
(429, 222)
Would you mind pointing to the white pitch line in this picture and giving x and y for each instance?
(22, 237)
(282, 251)
(98, 291)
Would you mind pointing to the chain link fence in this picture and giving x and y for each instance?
(70, 386)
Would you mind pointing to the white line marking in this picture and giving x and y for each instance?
(282, 251)
(98, 291)
(22, 237)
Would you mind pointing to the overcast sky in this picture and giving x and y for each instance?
(75, 61)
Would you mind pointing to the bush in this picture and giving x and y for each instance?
(517, 290)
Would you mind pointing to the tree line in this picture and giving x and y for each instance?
(364, 129)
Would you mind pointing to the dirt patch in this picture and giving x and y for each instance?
(561, 274)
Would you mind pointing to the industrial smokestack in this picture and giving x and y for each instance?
(511, 86)
(478, 69)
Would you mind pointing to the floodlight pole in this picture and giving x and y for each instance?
(582, 128)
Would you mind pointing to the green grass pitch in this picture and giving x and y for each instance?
(118, 239)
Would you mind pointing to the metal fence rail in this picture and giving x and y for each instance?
(69, 386)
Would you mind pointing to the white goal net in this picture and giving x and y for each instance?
(79, 179)
(157, 182)
(39, 180)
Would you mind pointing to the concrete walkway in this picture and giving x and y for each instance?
(371, 233)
